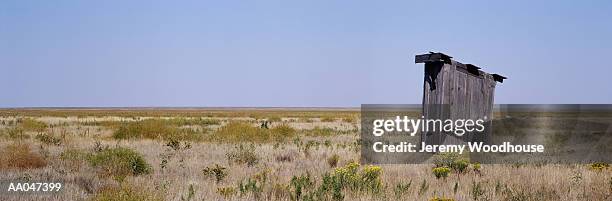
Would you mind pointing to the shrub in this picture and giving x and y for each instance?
(348, 177)
(120, 162)
(20, 156)
(226, 192)
(446, 159)
(298, 186)
(16, 133)
(332, 161)
(477, 190)
(175, 144)
(243, 155)
(476, 166)
(49, 139)
(599, 166)
(282, 132)
(150, 128)
(218, 172)
(29, 124)
(250, 186)
(370, 179)
(125, 193)
(441, 172)
(334, 184)
(239, 132)
(401, 188)
(460, 165)
(451, 160)
(98, 147)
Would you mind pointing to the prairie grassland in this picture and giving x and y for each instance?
(228, 155)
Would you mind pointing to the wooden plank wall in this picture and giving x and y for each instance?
(451, 92)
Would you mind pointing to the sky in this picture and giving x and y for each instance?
(294, 53)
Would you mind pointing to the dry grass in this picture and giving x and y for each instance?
(154, 129)
(125, 192)
(29, 124)
(287, 157)
(20, 156)
(237, 132)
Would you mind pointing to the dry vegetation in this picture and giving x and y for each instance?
(229, 155)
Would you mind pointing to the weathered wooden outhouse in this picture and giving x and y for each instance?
(453, 90)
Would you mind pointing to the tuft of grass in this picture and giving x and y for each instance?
(423, 187)
(16, 133)
(401, 189)
(477, 190)
(218, 172)
(120, 162)
(20, 156)
(254, 184)
(298, 186)
(332, 161)
(227, 192)
(243, 155)
(441, 172)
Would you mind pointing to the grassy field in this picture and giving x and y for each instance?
(226, 154)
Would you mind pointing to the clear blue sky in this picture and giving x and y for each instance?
(294, 53)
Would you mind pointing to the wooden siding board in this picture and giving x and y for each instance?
(468, 95)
